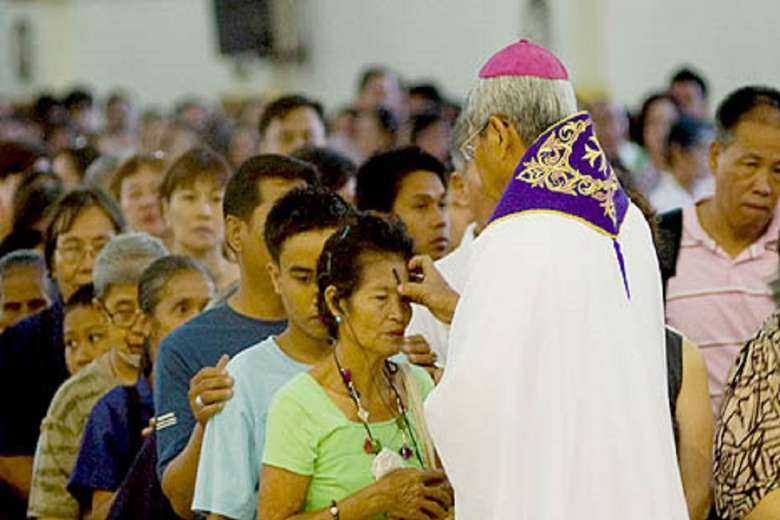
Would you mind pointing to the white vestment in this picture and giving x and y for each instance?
(454, 269)
(554, 400)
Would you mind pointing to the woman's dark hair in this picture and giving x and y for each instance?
(130, 167)
(198, 163)
(82, 157)
(334, 168)
(159, 273)
(39, 190)
(16, 157)
(69, 207)
(340, 264)
(302, 210)
(379, 179)
(686, 133)
(638, 126)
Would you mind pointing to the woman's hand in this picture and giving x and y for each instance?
(415, 494)
(209, 390)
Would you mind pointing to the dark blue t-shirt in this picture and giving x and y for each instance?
(197, 344)
(111, 441)
(32, 367)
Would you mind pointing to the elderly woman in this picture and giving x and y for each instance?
(347, 439)
(192, 193)
(746, 472)
(172, 290)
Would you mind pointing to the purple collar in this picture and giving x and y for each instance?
(565, 171)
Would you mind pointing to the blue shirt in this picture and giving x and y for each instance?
(197, 344)
(232, 449)
(32, 367)
(111, 441)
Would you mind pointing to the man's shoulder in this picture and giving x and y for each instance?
(254, 357)
(88, 384)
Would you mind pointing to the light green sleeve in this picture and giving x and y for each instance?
(291, 434)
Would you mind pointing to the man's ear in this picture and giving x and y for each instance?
(235, 228)
(273, 273)
(458, 195)
(715, 150)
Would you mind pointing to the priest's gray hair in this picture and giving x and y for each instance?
(124, 259)
(460, 133)
(531, 104)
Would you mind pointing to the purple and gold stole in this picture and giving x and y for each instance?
(565, 171)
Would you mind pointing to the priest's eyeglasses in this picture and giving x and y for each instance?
(468, 149)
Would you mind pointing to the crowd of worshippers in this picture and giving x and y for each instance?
(230, 312)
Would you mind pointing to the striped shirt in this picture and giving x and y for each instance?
(60, 439)
(719, 302)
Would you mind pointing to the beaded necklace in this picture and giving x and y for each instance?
(372, 445)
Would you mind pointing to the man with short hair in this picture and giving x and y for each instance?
(229, 469)
(557, 367)
(379, 87)
(723, 251)
(252, 314)
(116, 274)
(291, 122)
(335, 170)
(689, 90)
(25, 288)
(411, 185)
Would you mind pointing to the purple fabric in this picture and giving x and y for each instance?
(566, 171)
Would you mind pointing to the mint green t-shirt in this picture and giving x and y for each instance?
(307, 434)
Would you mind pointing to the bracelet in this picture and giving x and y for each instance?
(334, 510)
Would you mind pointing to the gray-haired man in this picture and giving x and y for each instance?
(116, 273)
(25, 288)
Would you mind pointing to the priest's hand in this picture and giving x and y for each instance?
(428, 287)
(418, 352)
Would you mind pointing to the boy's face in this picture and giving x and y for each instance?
(87, 336)
(295, 280)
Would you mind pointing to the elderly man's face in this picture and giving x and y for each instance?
(22, 294)
(129, 328)
(747, 171)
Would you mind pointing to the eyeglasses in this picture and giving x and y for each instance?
(76, 251)
(467, 149)
(123, 318)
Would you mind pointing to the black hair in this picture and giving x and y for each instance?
(428, 91)
(422, 122)
(335, 169)
(66, 210)
(739, 103)
(39, 190)
(339, 264)
(688, 132)
(302, 210)
(379, 179)
(283, 106)
(686, 74)
(638, 126)
(82, 157)
(159, 273)
(78, 97)
(83, 297)
(242, 195)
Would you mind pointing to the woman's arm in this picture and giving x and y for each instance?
(404, 493)
(694, 418)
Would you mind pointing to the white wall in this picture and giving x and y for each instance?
(162, 49)
(734, 43)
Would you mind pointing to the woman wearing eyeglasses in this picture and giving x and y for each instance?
(347, 439)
